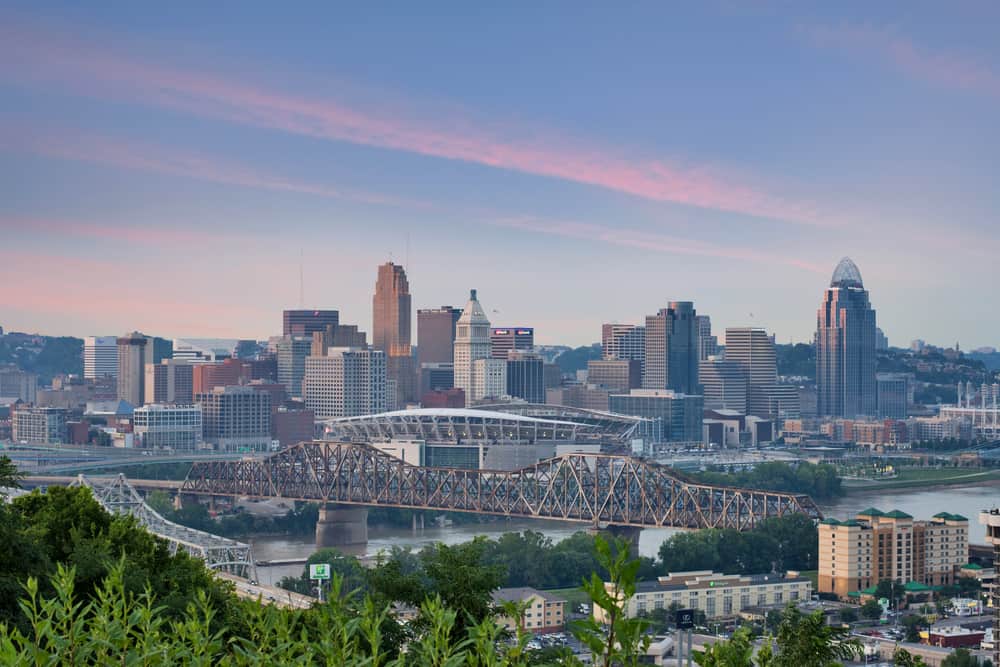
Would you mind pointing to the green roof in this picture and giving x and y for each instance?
(830, 522)
(854, 594)
(871, 590)
(972, 566)
(950, 517)
(871, 511)
(896, 514)
(915, 586)
(849, 522)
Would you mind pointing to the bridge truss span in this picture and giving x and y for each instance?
(219, 553)
(599, 489)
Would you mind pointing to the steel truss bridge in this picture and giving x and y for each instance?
(219, 553)
(600, 489)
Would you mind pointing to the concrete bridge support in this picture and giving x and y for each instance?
(628, 533)
(341, 526)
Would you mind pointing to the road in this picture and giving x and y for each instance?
(267, 594)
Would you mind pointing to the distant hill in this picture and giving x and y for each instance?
(991, 360)
(576, 359)
(798, 359)
(47, 356)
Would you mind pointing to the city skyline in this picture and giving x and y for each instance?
(733, 176)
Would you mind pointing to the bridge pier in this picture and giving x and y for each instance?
(628, 533)
(341, 526)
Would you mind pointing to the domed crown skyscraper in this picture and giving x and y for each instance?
(845, 346)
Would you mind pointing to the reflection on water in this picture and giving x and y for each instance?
(921, 504)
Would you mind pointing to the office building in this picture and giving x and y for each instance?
(543, 612)
(708, 345)
(290, 427)
(236, 418)
(715, 594)
(170, 381)
(508, 339)
(443, 398)
(174, 427)
(391, 329)
(881, 341)
(624, 341)
(135, 350)
(436, 334)
(845, 347)
(724, 385)
(306, 322)
(17, 384)
(206, 349)
(525, 378)
(753, 350)
(36, 425)
(229, 372)
(436, 377)
(618, 375)
(342, 335)
(489, 379)
(472, 342)
(679, 415)
(583, 396)
(856, 554)
(100, 357)
(292, 353)
(672, 349)
(347, 382)
(991, 519)
(893, 394)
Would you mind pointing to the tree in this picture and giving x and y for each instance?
(848, 614)
(871, 609)
(10, 476)
(903, 658)
(736, 652)
(617, 639)
(960, 658)
(913, 625)
(808, 640)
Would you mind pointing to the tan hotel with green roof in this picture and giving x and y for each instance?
(858, 553)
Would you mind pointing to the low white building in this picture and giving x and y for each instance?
(160, 426)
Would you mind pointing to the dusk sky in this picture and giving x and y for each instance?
(164, 166)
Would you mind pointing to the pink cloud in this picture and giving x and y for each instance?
(134, 155)
(944, 69)
(650, 241)
(35, 56)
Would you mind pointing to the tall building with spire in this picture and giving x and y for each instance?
(391, 329)
(845, 347)
(472, 342)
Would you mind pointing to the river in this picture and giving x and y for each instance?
(921, 503)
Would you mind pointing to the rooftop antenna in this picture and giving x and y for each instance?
(302, 281)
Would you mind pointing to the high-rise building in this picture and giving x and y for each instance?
(436, 377)
(489, 379)
(624, 341)
(229, 372)
(616, 375)
(436, 334)
(206, 349)
(583, 396)
(342, 335)
(856, 554)
(176, 427)
(18, 384)
(170, 381)
(893, 392)
(708, 345)
(524, 377)
(753, 350)
(38, 425)
(391, 330)
(845, 347)
(100, 357)
(236, 418)
(991, 520)
(135, 350)
(504, 340)
(724, 385)
(292, 353)
(306, 322)
(881, 340)
(672, 349)
(472, 342)
(679, 415)
(347, 382)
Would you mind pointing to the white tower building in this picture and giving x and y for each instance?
(472, 341)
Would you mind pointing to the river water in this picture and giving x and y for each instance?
(921, 503)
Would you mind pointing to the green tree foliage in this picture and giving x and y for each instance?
(960, 658)
(798, 359)
(807, 640)
(871, 609)
(903, 658)
(576, 359)
(776, 544)
(736, 652)
(913, 624)
(10, 476)
(817, 480)
(848, 614)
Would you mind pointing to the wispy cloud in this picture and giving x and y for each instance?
(944, 69)
(131, 155)
(161, 234)
(46, 57)
(649, 241)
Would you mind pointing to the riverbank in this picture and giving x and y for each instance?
(922, 478)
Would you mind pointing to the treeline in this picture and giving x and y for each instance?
(817, 480)
(300, 520)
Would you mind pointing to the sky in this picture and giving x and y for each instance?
(192, 169)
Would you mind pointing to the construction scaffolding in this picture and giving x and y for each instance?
(219, 553)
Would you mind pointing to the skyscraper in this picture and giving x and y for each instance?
(524, 376)
(753, 350)
(708, 345)
(624, 341)
(100, 357)
(292, 353)
(436, 334)
(845, 347)
(672, 349)
(135, 350)
(170, 381)
(346, 382)
(506, 339)
(391, 329)
(472, 341)
(305, 322)
(724, 385)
